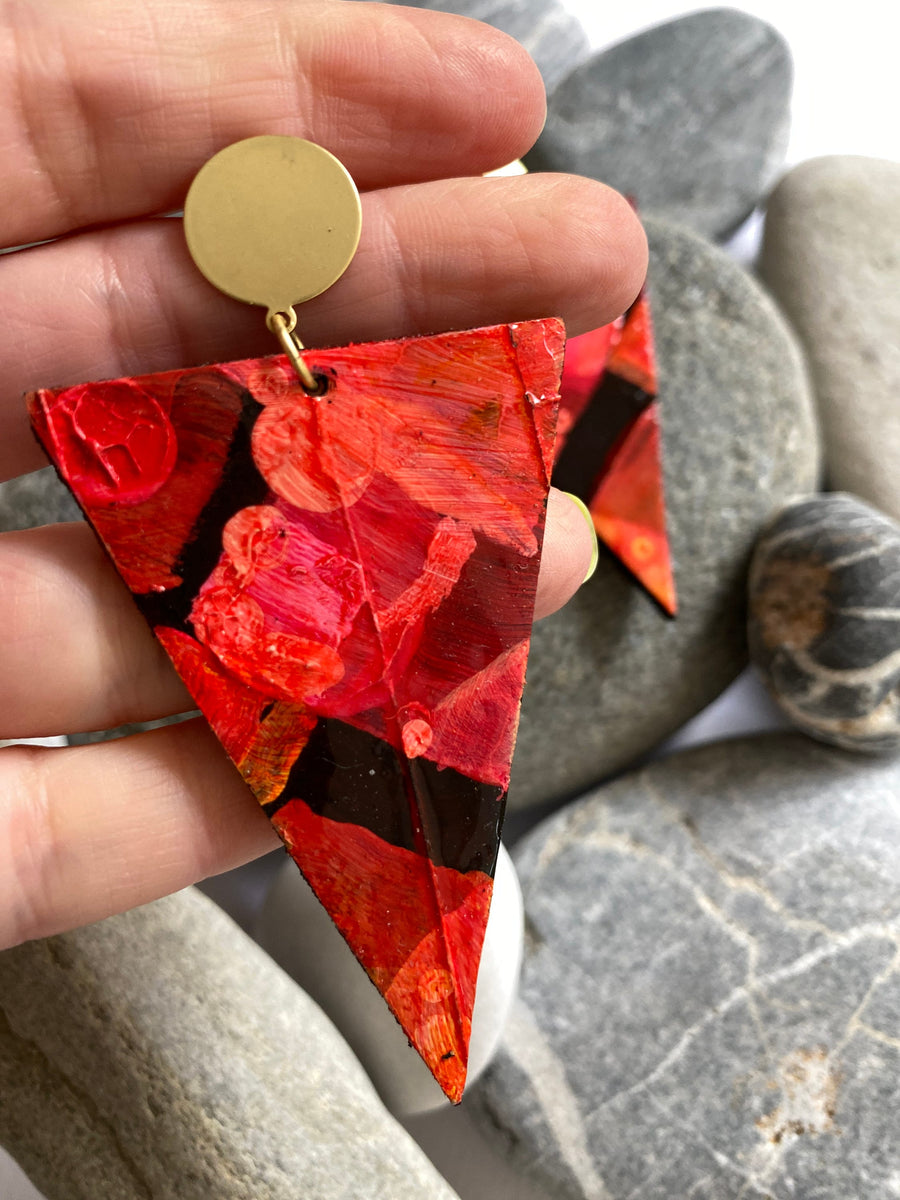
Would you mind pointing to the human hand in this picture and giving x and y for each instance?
(107, 111)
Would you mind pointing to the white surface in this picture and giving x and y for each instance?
(13, 1184)
(744, 707)
(845, 102)
(46, 741)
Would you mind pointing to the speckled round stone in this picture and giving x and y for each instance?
(710, 1002)
(691, 118)
(824, 628)
(609, 675)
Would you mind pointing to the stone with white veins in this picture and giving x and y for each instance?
(831, 255)
(824, 629)
(690, 117)
(710, 1001)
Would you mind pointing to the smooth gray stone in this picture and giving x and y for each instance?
(830, 255)
(36, 499)
(691, 118)
(824, 628)
(710, 1002)
(553, 36)
(609, 675)
(161, 1055)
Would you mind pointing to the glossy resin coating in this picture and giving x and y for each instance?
(346, 584)
(610, 446)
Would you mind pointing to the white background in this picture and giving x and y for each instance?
(845, 102)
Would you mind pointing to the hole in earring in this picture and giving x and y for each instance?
(322, 384)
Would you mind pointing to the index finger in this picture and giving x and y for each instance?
(108, 110)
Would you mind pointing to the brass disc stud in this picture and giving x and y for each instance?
(273, 221)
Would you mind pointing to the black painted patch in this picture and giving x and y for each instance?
(348, 775)
(613, 408)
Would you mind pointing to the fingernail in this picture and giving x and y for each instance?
(586, 513)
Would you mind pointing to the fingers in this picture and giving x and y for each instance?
(79, 656)
(444, 255)
(107, 111)
(570, 544)
(93, 830)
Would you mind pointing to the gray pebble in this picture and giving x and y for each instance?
(161, 1055)
(824, 627)
(691, 118)
(36, 499)
(710, 1002)
(609, 676)
(831, 255)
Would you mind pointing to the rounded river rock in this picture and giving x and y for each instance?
(831, 255)
(710, 1002)
(161, 1055)
(609, 675)
(824, 624)
(691, 118)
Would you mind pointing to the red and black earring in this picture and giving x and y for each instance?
(339, 551)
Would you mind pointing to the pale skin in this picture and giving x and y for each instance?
(106, 111)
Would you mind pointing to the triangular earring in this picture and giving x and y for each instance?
(343, 572)
(613, 459)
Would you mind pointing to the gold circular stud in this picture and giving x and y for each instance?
(273, 221)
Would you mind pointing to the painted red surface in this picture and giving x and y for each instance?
(120, 447)
(418, 929)
(197, 413)
(368, 556)
(586, 359)
(627, 498)
(629, 511)
(632, 356)
(262, 738)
